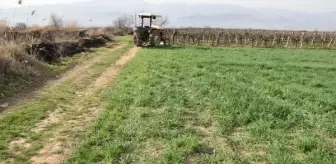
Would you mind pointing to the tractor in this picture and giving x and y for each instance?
(148, 35)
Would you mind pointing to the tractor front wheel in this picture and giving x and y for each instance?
(136, 41)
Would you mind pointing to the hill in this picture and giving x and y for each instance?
(103, 12)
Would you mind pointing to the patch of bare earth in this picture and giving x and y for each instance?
(246, 149)
(150, 150)
(211, 141)
(154, 148)
(112, 72)
(19, 144)
(75, 117)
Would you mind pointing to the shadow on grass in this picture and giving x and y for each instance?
(178, 47)
(168, 47)
(22, 89)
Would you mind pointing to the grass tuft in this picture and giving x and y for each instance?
(308, 144)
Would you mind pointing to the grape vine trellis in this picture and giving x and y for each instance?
(252, 38)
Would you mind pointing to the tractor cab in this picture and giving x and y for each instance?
(148, 34)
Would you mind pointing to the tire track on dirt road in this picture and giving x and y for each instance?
(80, 117)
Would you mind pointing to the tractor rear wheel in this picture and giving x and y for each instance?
(151, 40)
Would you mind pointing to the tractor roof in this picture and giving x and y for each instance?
(148, 15)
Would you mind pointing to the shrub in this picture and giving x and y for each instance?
(20, 26)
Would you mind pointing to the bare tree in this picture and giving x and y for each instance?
(161, 21)
(124, 22)
(56, 21)
(21, 26)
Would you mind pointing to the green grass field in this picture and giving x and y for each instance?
(218, 105)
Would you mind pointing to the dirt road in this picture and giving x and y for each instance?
(67, 123)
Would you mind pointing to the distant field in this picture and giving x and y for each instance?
(219, 105)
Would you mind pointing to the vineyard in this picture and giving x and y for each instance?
(252, 38)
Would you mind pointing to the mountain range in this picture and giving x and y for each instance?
(103, 12)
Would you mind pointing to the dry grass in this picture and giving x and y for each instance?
(93, 31)
(72, 26)
(34, 28)
(18, 70)
(3, 26)
(15, 61)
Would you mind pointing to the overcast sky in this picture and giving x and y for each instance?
(297, 5)
(14, 3)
